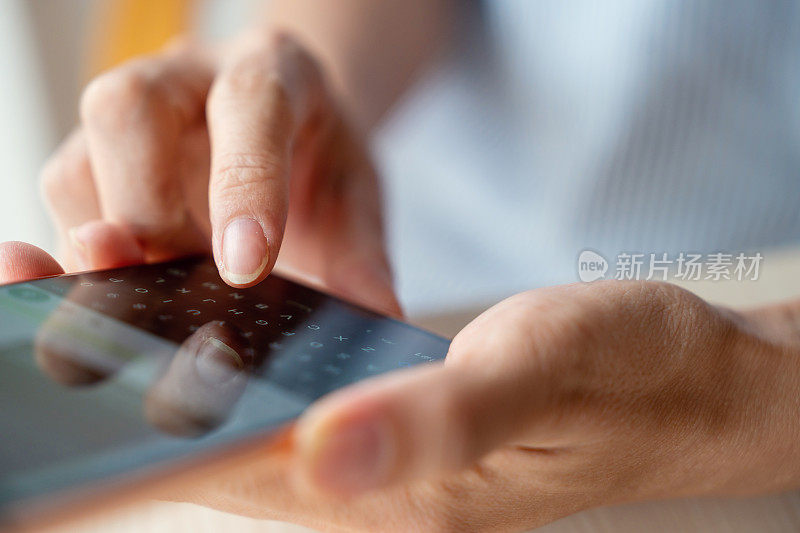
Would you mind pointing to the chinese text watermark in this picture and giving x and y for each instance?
(685, 266)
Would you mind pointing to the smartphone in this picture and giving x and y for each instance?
(113, 380)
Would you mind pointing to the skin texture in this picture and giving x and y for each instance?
(553, 401)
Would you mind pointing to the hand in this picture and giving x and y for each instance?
(197, 149)
(551, 402)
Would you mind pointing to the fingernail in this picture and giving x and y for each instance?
(79, 247)
(216, 362)
(350, 459)
(244, 251)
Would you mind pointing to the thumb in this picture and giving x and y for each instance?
(408, 425)
(20, 261)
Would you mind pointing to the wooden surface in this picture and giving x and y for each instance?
(768, 514)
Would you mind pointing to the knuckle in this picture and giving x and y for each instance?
(461, 350)
(250, 74)
(658, 306)
(247, 169)
(241, 175)
(470, 345)
(253, 77)
(113, 100)
(298, 54)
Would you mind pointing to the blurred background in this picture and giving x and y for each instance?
(654, 126)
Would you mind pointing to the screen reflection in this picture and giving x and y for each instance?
(113, 371)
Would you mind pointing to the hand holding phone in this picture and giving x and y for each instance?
(553, 401)
(139, 371)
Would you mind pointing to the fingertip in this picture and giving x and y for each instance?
(345, 450)
(20, 261)
(371, 435)
(244, 253)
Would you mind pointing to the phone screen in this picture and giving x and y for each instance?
(105, 373)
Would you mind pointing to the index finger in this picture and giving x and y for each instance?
(256, 107)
